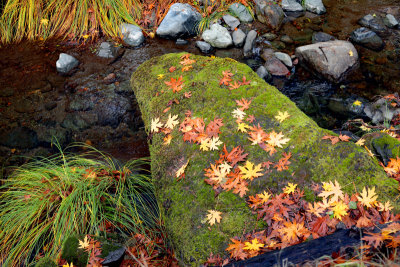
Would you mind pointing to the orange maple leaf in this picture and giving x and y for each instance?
(243, 104)
(175, 84)
(234, 85)
(236, 249)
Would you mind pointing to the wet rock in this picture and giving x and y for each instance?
(231, 21)
(20, 137)
(248, 45)
(50, 105)
(112, 109)
(181, 42)
(303, 37)
(180, 21)
(263, 73)
(269, 36)
(278, 45)
(285, 58)
(107, 50)
(291, 6)
(79, 103)
(51, 135)
(318, 37)
(75, 122)
(241, 12)
(24, 106)
(315, 6)
(391, 21)
(122, 88)
(367, 38)
(66, 63)
(218, 36)
(333, 60)
(114, 258)
(6, 92)
(286, 39)
(372, 22)
(204, 47)
(238, 38)
(272, 64)
(380, 110)
(269, 13)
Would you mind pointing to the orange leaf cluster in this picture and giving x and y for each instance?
(336, 139)
(393, 168)
(227, 80)
(194, 129)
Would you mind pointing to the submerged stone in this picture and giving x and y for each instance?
(185, 203)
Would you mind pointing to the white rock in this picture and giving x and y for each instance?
(66, 63)
(218, 36)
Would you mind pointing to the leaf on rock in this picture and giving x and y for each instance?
(155, 125)
(282, 116)
(213, 217)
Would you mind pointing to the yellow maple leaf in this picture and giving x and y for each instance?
(339, 209)
(172, 121)
(292, 230)
(368, 197)
(155, 125)
(160, 76)
(265, 196)
(45, 22)
(277, 139)
(282, 116)
(214, 143)
(238, 114)
(350, 53)
(254, 245)
(225, 167)
(289, 188)
(68, 265)
(357, 103)
(333, 190)
(250, 171)
(205, 144)
(84, 244)
(242, 127)
(385, 207)
(365, 129)
(167, 139)
(181, 169)
(214, 216)
(360, 142)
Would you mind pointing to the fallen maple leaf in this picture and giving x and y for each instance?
(236, 250)
(181, 169)
(289, 188)
(205, 144)
(243, 104)
(239, 114)
(339, 209)
(213, 216)
(175, 84)
(360, 142)
(254, 245)
(368, 198)
(242, 127)
(244, 81)
(172, 121)
(172, 69)
(214, 143)
(167, 139)
(333, 190)
(250, 171)
(277, 139)
(282, 116)
(234, 85)
(187, 68)
(187, 94)
(84, 244)
(155, 125)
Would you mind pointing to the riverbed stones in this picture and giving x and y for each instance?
(367, 38)
(231, 21)
(238, 37)
(66, 63)
(180, 22)
(391, 21)
(262, 73)
(269, 13)
(107, 50)
(315, 6)
(291, 6)
(372, 22)
(132, 35)
(217, 36)
(248, 45)
(241, 12)
(318, 37)
(333, 60)
(272, 64)
(184, 203)
(285, 58)
(204, 47)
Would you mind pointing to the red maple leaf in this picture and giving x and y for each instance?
(175, 84)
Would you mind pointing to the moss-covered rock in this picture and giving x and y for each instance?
(185, 202)
(46, 262)
(385, 146)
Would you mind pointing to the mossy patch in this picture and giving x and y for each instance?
(185, 202)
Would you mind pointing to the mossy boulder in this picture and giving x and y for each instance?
(384, 145)
(185, 202)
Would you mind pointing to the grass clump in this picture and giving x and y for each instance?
(45, 201)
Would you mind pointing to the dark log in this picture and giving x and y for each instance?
(310, 250)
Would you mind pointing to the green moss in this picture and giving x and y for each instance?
(185, 202)
(71, 252)
(389, 145)
(46, 262)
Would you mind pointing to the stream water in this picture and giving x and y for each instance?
(96, 104)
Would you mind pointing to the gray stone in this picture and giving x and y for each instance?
(218, 36)
(132, 35)
(180, 21)
(238, 38)
(286, 39)
(204, 47)
(66, 63)
(315, 6)
(241, 12)
(248, 45)
(391, 21)
(74, 122)
(181, 42)
(231, 21)
(271, 14)
(318, 37)
(291, 6)
(79, 103)
(20, 137)
(107, 50)
(379, 111)
(367, 38)
(285, 58)
(262, 72)
(333, 60)
(269, 36)
(372, 22)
